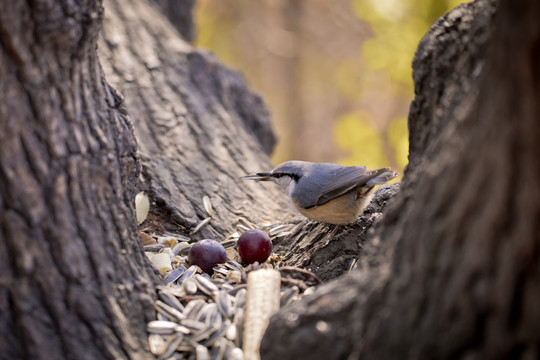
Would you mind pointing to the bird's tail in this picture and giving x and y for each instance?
(385, 175)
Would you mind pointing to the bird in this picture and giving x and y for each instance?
(326, 192)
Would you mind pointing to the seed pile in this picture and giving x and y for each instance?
(201, 316)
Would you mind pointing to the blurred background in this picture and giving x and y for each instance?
(336, 75)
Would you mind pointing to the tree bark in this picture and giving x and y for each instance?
(75, 283)
(453, 271)
(198, 127)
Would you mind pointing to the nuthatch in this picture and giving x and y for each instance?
(326, 192)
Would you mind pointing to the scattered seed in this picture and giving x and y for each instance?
(288, 295)
(189, 286)
(203, 316)
(156, 344)
(246, 223)
(168, 311)
(200, 225)
(153, 248)
(229, 243)
(171, 300)
(208, 206)
(352, 265)
(201, 353)
(278, 229)
(174, 275)
(242, 227)
(171, 345)
(205, 285)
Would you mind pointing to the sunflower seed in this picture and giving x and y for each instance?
(224, 303)
(172, 290)
(233, 265)
(188, 274)
(219, 348)
(186, 346)
(219, 282)
(220, 271)
(176, 236)
(205, 285)
(153, 248)
(171, 300)
(208, 206)
(214, 318)
(156, 344)
(278, 229)
(246, 223)
(170, 312)
(231, 332)
(229, 243)
(352, 265)
(193, 309)
(240, 298)
(179, 248)
(227, 287)
(282, 234)
(189, 286)
(201, 353)
(193, 325)
(238, 321)
(237, 289)
(203, 334)
(207, 311)
(216, 335)
(233, 236)
(175, 274)
(288, 295)
(164, 327)
(234, 353)
(200, 225)
(171, 345)
(242, 227)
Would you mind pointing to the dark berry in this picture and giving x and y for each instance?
(206, 254)
(254, 245)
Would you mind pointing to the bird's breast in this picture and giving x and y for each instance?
(341, 210)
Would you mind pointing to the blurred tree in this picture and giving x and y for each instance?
(337, 76)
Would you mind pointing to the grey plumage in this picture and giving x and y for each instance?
(312, 185)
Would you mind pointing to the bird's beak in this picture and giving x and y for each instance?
(262, 176)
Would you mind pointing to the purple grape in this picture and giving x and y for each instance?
(254, 245)
(206, 254)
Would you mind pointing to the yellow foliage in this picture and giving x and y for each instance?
(336, 72)
(357, 135)
(398, 26)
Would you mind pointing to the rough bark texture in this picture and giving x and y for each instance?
(329, 251)
(74, 283)
(180, 14)
(454, 271)
(198, 127)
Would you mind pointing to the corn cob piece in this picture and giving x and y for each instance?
(263, 287)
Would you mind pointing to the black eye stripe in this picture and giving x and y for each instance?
(280, 174)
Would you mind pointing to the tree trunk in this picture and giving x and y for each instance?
(198, 127)
(454, 269)
(75, 283)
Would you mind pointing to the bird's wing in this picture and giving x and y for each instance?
(345, 179)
